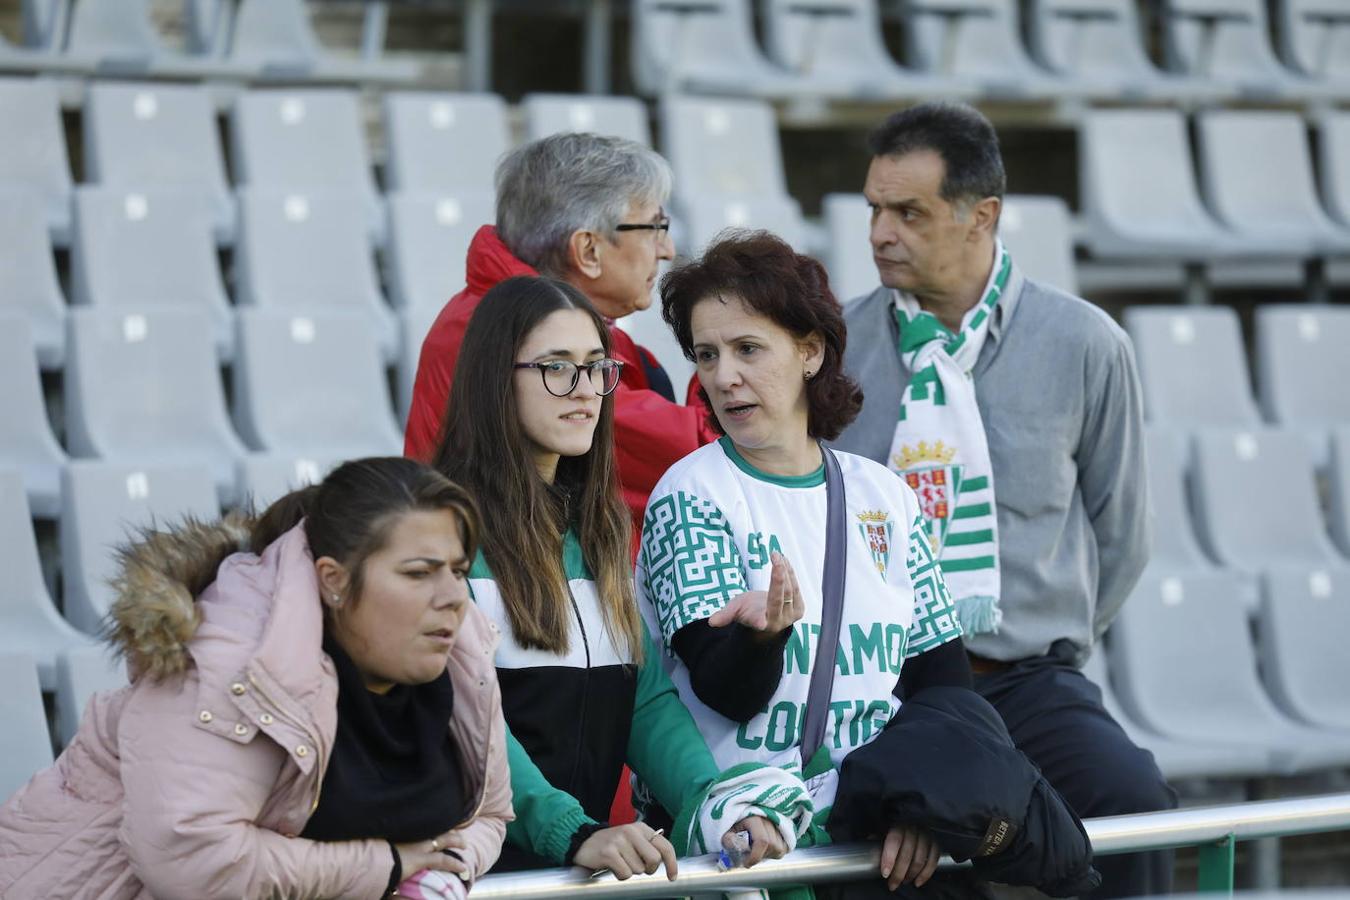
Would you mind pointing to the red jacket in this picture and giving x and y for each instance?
(650, 432)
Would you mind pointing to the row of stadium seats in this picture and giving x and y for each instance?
(834, 49)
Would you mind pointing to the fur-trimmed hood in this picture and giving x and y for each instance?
(159, 578)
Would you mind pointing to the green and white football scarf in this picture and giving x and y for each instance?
(940, 448)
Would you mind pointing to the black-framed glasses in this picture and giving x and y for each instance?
(561, 376)
(660, 226)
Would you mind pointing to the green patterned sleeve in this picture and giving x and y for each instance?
(690, 561)
(935, 622)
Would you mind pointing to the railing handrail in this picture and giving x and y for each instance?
(844, 862)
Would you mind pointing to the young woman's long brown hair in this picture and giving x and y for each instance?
(483, 448)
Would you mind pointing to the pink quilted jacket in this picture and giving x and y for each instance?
(194, 781)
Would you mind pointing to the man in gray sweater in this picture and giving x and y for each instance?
(1013, 409)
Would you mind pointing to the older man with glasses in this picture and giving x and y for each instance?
(588, 210)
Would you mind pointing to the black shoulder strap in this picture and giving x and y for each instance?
(832, 609)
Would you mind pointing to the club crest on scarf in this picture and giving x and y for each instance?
(876, 528)
(928, 469)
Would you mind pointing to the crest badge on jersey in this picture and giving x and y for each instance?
(936, 480)
(876, 527)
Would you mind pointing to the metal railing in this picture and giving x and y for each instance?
(1214, 829)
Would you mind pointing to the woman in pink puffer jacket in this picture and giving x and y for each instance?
(284, 733)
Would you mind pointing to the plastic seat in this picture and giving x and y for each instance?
(1256, 174)
(303, 140)
(26, 439)
(1338, 484)
(309, 252)
(1192, 366)
(1175, 545)
(336, 402)
(704, 46)
(1038, 232)
(836, 46)
(140, 136)
(29, 285)
(429, 238)
(443, 143)
(1229, 41)
(1256, 501)
(722, 147)
(1314, 39)
(267, 477)
(848, 254)
(275, 39)
(1302, 368)
(29, 622)
(1305, 616)
(25, 745)
(1139, 192)
(138, 250)
(1333, 164)
(1183, 663)
(144, 389)
(416, 322)
(649, 330)
(707, 216)
(34, 155)
(1100, 43)
(624, 117)
(80, 674)
(106, 504)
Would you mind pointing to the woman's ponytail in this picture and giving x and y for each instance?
(283, 515)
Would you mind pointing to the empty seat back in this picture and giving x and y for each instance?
(1039, 234)
(140, 136)
(823, 38)
(1090, 38)
(137, 249)
(33, 155)
(429, 236)
(981, 39)
(336, 401)
(267, 477)
(722, 147)
(1256, 499)
(710, 44)
(443, 143)
(1222, 39)
(1174, 541)
(25, 745)
(706, 216)
(28, 281)
(1301, 364)
(1338, 484)
(26, 440)
(1192, 366)
(113, 34)
(1305, 616)
(143, 388)
(82, 673)
(106, 506)
(624, 117)
(1333, 164)
(274, 35)
(848, 221)
(416, 321)
(1315, 37)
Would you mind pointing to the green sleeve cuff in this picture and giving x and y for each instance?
(554, 841)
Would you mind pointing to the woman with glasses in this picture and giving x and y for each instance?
(529, 432)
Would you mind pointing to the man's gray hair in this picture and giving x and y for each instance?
(549, 188)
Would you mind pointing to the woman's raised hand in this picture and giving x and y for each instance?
(768, 612)
(765, 840)
(627, 850)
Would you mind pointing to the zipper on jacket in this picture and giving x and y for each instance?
(585, 689)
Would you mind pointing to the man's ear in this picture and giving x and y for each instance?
(583, 253)
(333, 581)
(984, 217)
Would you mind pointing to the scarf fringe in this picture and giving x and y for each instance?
(979, 615)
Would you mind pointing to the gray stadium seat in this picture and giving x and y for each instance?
(301, 140)
(105, 504)
(1192, 366)
(1100, 43)
(1333, 164)
(836, 46)
(1256, 174)
(429, 237)
(29, 285)
(336, 402)
(1338, 484)
(649, 330)
(1174, 541)
(29, 622)
(145, 135)
(980, 40)
(135, 250)
(848, 255)
(443, 143)
(308, 252)
(120, 37)
(1229, 41)
(1314, 37)
(704, 46)
(1302, 369)
(25, 745)
(26, 439)
(274, 38)
(1177, 759)
(1182, 662)
(722, 147)
(1038, 232)
(624, 117)
(1305, 617)
(38, 161)
(266, 477)
(144, 389)
(705, 216)
(80, 674)
(1256, 502)
(416, 321)
(1139, 193)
